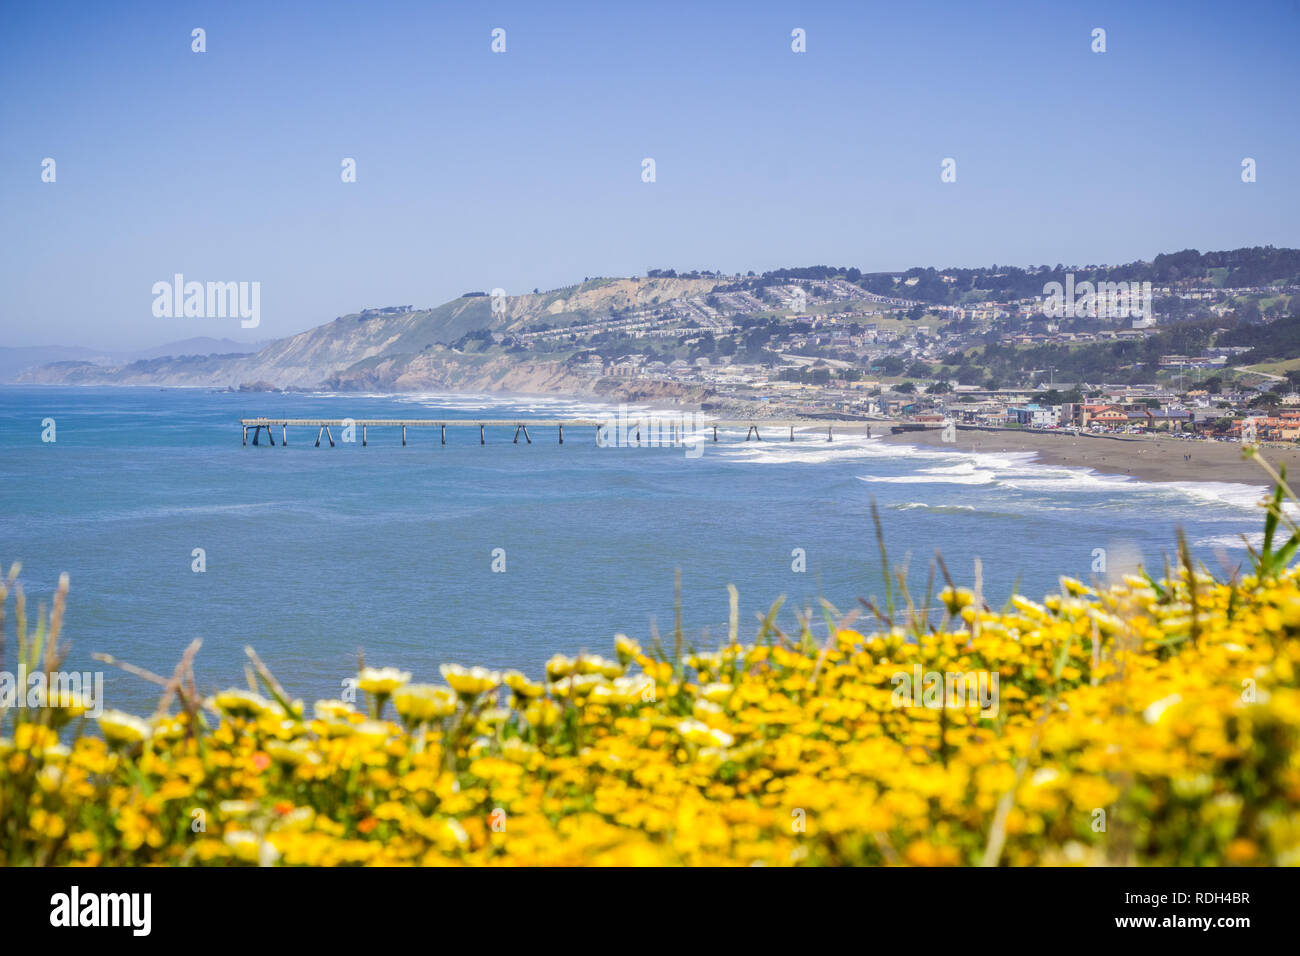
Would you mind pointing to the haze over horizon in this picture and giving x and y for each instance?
(478, 169)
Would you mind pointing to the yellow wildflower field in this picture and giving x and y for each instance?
(1148, 722)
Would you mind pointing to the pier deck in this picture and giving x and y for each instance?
(663, 427)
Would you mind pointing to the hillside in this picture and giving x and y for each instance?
(603, 335)
(392, 348)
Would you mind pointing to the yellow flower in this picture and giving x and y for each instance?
(956, 598)
(577, 686)
(372, 731)
(717, 693)
(626, 649)
(292, 753)
(65, 705)
(243, 703)
(1156, 710)
(421, 703)
(705, 662)
(48, 825)
(522, 686)
(703, 735)
(625, 691)
(251, 848)
(560, 666)
(515, 749)
(333, 710)
(542, 713)
(382, 681)
(595, 664)
(494, 716)
(168, 728)
(469, 682)
(122, 728)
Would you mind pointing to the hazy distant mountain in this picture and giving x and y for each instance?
(15, 361)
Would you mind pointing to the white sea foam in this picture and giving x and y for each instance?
(924, 477)
(1256, 538)
(1060, 480)
(172, 511)
(912, 505)
(1018, 471)
(961, 468)
(1239, 495)
(788, 456)
(807, 448)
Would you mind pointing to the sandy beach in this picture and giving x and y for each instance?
(1149, 458)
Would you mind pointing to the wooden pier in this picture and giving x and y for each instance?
(660, 429)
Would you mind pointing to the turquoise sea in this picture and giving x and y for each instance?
(313, 554)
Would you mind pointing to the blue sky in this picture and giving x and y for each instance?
(519, 170)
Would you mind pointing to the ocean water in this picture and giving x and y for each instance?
(313, 554)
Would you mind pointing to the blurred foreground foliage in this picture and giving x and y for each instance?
(1149, 722)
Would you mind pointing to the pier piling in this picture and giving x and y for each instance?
(403, 436)
(444, 434)
(482, 440)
